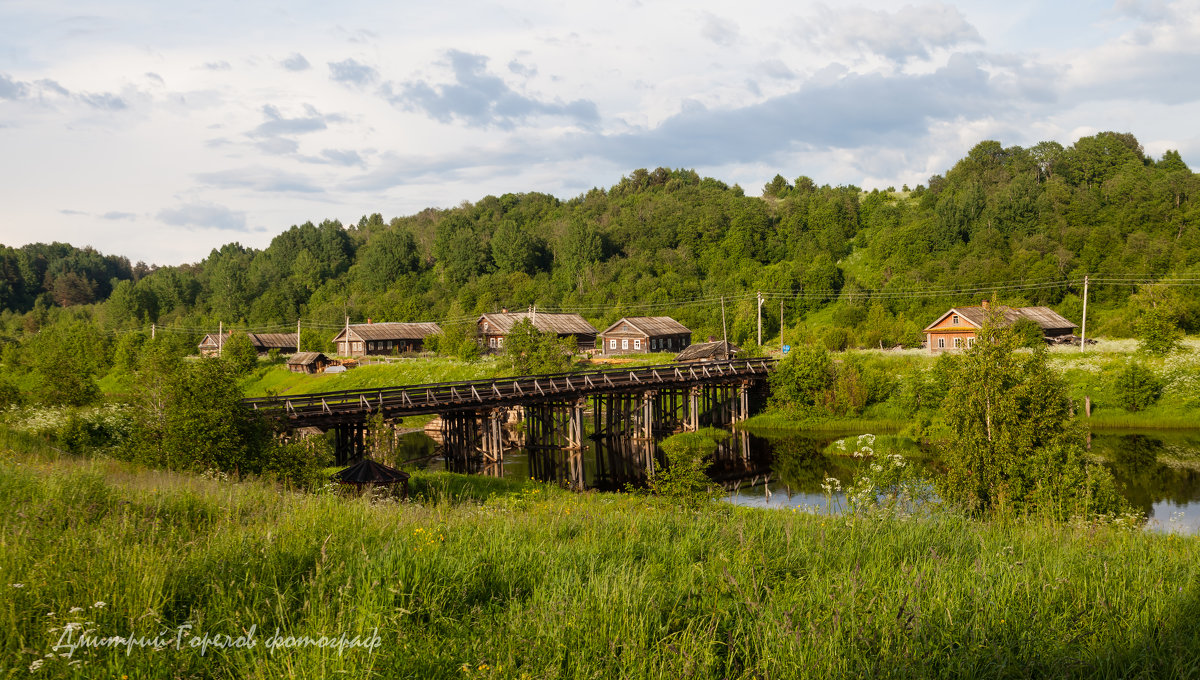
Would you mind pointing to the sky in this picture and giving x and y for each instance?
(161, 131)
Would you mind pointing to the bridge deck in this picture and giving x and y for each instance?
(353, 406)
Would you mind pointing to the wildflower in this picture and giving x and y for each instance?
(75, 610)
(17, 585)
(99, 605)
(37, 663)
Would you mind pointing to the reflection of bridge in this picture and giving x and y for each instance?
(642, 402)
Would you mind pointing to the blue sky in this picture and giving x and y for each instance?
(156, 132)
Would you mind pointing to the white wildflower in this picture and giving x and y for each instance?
(99, 605)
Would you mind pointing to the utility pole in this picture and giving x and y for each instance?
(346, 343)
(152, 329)
(781, 327)
(297, 334)
(724, 330)
(220, 337)
(760, 304)
(1083, 327)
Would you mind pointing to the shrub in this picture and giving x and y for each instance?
(1156, 332)
(1136, 387)
(684, 482)
(239, 354)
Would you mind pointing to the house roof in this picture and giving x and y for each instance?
(561, 324)
(367, 471)
(273, 340)
(1046, 318)
(306, 358)
(699, 351)
(650, 325)
(391, 330)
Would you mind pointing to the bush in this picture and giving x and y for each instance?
(239, 354)
(1028, 333)
(835, 339)
(801, 381)
(1156, 332)
(1136, 387)
(684, 482)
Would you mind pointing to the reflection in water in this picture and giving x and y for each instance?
(1158, 473)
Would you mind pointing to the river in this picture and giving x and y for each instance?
(1158, 472)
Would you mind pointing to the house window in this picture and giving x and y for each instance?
(612, 344)
(970, 342)
(957, 343)
(624, 343)
(358, 346)
(955, 321)
(500, 341)
(492, 343)
(637, 344)
(653, 344)
(941, 343)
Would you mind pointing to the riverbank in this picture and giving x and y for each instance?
(494, 578)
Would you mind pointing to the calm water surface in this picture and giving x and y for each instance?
(1157, 472)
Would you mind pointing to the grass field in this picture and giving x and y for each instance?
(489, 578)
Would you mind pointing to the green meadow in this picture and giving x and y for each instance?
(474, 577)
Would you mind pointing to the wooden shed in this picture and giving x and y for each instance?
(709, 351)
(383, 338)
(957, 328)
(643, 334)
(493, 328)
(307, 362)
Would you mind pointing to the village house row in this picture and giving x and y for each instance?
(954, 330)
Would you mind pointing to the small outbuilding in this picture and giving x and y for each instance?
(263, 343)
(493, 328)
(709, 351)
(307, 362)
(957, 328)
(362, 339)
(367, 472)
(643, 334)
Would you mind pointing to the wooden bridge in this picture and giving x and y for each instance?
(640, 402)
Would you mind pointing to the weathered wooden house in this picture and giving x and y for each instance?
(957, 328)
(285, 343)
(643, 334)
(493, 328)
(709, 351)
(383, 338)
(307, 362)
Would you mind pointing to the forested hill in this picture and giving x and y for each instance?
(672, 242)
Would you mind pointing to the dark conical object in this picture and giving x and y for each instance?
(367, 471)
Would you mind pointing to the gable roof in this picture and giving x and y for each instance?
(306, 358)
(391, 330)
(273, 340)
(651, 325)
(561, 324)
(1046, 318)
(719, 350)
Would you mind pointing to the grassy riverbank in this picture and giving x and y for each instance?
(492, 578)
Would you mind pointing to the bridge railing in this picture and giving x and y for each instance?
(435, 396)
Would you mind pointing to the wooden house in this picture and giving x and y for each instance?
(957, 328)
(643, 334)
(709, 351)
(383, 338)
(493, 328)
(212, 343)
(307, 362)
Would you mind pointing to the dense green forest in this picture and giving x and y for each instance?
(1023, 225)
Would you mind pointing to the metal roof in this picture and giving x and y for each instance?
(650, 326)
(391, 330)
(560, 324)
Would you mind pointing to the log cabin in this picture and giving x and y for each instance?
(957, 328)
(376, 339)
(643, 334)
(493, 328)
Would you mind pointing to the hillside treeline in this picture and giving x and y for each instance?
(671, 242)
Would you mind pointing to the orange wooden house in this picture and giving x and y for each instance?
(956, 329)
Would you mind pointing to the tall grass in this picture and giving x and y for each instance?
(487, 578)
